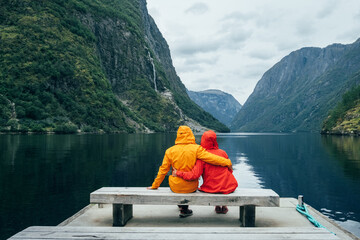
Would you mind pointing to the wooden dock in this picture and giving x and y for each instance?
(173, 233)
(123, 199)
(162, 222)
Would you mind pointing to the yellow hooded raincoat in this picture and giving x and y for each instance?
(182, 156)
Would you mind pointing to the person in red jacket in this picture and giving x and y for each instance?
(216, 179)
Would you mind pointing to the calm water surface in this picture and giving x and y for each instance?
(44, 179)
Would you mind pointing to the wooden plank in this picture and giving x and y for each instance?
(165, 190)
(205, 236)
(172, 233)
(122, 196)
(164, 196)
(178, 229)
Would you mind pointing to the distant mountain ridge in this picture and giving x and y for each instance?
(221, 105)
(297, 92)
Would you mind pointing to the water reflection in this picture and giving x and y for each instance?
(345, 150)
(10, 154)
(244, 173)
(44, 179)
(323, 169)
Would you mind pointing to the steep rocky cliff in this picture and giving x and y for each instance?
(297, 93)
(69, 65)
(221, 105)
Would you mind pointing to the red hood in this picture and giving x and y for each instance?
(208, 140)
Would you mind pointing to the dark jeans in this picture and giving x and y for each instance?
(184, 207)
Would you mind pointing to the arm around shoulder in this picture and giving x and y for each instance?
(194, 174)
(212, 158)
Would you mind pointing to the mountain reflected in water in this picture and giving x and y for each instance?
(45, 179)
(244, 173)
(346, 150)
(325, 169)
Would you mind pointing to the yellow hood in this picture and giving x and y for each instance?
(185, 136)
(183, 157)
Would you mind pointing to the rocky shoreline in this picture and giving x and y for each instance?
(341, 133)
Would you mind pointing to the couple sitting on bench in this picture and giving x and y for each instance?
(189, 161)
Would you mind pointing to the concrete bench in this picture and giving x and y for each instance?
(123, 200)
(193, 233)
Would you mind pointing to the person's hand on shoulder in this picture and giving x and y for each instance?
(230, 168)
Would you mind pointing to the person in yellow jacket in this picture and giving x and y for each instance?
(182, 156)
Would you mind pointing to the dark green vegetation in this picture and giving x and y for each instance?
(345, 117)
(84, 64)
(297, 93)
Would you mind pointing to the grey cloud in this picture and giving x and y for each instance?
(260, 20)
(287, 46)
(328, 9)
(200, 84)
(261, 54)
(231, 36)
(197, 8)
(234, 36)
(154, 12)
(189, 68)
(265, 21)
(350, 35)
(305, 28)
(237, 37)
(357, 16)
(255, 70)
(225, 41)
(197, 64)
(191, 48)
(238, 17)
(197, 61)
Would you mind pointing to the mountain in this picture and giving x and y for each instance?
(345, 117)
(221, 105)
(89, 65)
(297, 92)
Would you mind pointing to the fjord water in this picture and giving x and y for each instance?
(45, 179)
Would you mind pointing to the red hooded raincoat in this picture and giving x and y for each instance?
(216, 179)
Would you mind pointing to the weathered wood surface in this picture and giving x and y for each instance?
(246, 199)
(164, 196)
(172, 233)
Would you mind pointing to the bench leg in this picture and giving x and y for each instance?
(121, 214)
(247, 216)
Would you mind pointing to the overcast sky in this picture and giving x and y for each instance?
(229, 44)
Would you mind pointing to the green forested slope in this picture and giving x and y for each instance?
(50, 72)
(84, 64)
(345, 117)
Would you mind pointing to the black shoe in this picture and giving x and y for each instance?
(185, 213)
(218, 209)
